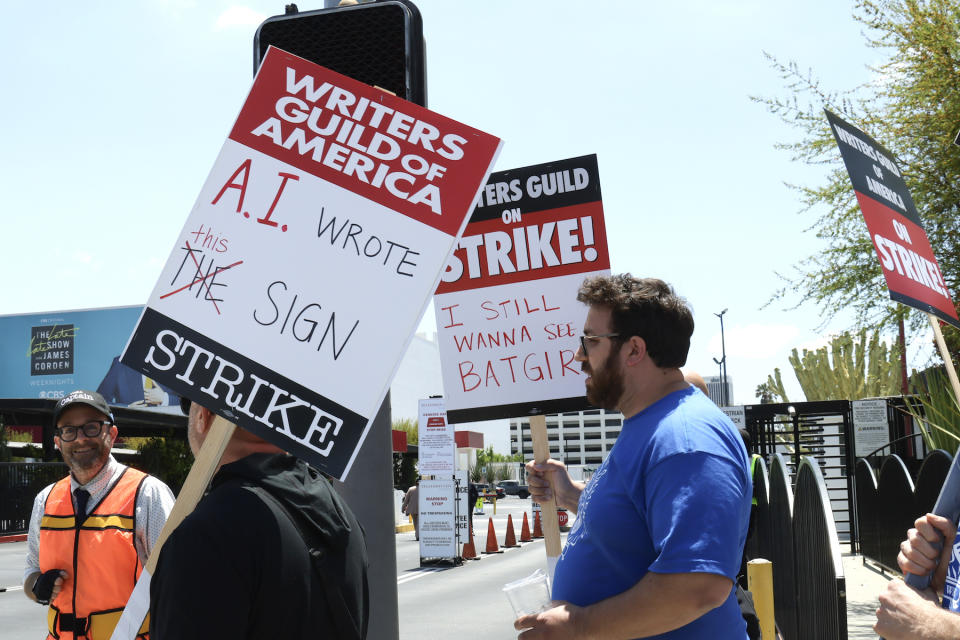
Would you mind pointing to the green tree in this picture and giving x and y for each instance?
(935, 409)
(410, 426)
(765, 392)
(166, 458)
(912, 107)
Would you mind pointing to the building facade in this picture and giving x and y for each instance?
(715, 391)
(580, 438)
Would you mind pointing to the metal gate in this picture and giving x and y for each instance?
(821, 430)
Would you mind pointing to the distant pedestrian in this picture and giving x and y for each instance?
(411, 507)
(473, 496)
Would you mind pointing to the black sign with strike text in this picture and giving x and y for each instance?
(906, 257)
(246, 393)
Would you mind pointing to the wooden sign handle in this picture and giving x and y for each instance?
(951, 372)
(548, 511)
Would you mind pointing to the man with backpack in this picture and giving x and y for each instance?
(270, 552)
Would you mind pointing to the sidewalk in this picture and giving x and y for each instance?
(864, 584)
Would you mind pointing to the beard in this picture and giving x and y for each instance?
(605, 387)
(93, 454)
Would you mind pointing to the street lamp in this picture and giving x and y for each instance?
(722, 362)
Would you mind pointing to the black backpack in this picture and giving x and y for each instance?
(346, 626)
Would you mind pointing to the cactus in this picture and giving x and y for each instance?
(849, 368)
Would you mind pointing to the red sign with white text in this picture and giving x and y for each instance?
(388, 150)
(911, 271)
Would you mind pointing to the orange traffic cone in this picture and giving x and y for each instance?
(469, 551)
(492, 546)
(525, 530)
(511, 538)
(537, 529)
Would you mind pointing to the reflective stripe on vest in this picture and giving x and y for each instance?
(99, 557)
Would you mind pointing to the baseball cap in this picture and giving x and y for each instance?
(89, 398)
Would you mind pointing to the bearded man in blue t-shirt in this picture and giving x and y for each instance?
(661, 525)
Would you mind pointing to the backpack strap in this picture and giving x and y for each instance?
(347, 628)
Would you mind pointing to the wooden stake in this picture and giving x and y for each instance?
(951, 372)
(205, 465)
(548, 511)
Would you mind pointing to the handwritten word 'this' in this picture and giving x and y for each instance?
(239, 182)
(205, 238)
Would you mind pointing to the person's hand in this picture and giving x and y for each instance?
(550, 479)
(919, 556)
(153, 396)
(905, 613)
(558, 623)
(48, 585)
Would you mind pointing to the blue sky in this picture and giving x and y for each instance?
(115, 113)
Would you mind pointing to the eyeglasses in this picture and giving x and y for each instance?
(90, 429)
(185, 405)
(585, 337)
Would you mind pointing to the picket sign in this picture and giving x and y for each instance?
(205, 465)
(548, 513)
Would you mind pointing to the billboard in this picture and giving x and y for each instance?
(48, 355)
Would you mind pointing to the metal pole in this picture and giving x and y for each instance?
(724, 395)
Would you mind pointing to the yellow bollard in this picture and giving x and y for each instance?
(494, 505)
(760, 584)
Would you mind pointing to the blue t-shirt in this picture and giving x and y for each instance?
(951, 588)
(673, 496)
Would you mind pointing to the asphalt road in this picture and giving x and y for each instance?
(435, 601)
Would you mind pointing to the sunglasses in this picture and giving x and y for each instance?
(585, 337)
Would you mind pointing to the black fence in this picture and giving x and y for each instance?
(20, 482)
(888, 502)
(795, 530)
(821, 430)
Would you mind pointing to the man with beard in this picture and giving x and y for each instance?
(661, 524)
(270, 552)
(91, 532)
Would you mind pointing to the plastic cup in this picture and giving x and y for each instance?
(529, 595)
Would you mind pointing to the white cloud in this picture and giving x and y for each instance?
(238, 17)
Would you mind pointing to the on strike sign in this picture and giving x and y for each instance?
(507, 316)
(909, 266)
(309, 257)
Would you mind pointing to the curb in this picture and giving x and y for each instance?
(403, 528)
(14, 538)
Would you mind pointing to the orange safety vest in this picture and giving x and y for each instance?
(98, 555)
